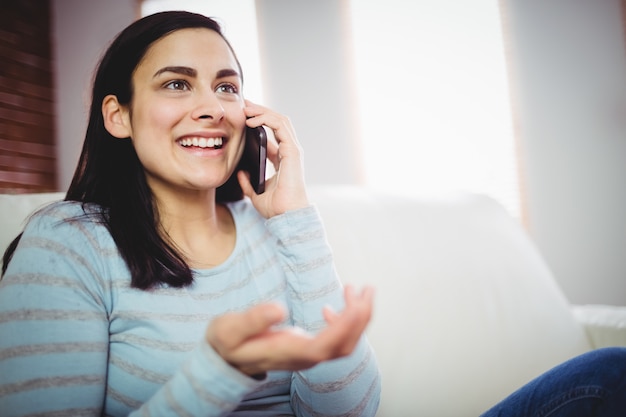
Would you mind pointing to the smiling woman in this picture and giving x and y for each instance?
(181, 98)
(164, 284)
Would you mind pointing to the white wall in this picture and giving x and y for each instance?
(306, 64)
(81, 32)
(569, 79)
(569, 63)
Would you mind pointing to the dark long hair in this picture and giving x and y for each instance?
(109, 172)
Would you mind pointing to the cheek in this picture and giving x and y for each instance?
(151, 127)
(238, 120)
(242, 145)
(163, 114)
(151, 113)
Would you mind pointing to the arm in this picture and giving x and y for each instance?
(350, 385)
(53, 325)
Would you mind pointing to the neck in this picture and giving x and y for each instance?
(203, 231)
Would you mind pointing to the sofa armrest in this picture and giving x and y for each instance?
(15, 209)
(605, 325)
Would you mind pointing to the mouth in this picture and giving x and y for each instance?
(201, 142)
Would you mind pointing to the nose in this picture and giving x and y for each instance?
(209, 107)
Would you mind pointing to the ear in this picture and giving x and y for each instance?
(116, 120)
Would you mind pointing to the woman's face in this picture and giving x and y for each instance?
(186, 116)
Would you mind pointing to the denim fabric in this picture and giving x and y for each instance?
(590, 385)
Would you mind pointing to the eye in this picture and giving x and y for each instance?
(180, 85)
(227, 88)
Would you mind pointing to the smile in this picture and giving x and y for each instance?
(199, 142)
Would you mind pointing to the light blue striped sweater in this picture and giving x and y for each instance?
(76, 339)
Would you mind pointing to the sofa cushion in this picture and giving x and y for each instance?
(466, 309)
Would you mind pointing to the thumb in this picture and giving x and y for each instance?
(260, 318)
(229, 331)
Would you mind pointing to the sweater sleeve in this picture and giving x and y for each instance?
(53, 323)
(348, 386)
(204, 386)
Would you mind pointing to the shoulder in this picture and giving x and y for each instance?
(243, 207)
(66, 210)
(69, 224)
(64, 215)
(243, 212)
(66, 243)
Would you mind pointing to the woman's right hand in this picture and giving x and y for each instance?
(286, 189)
(249, 341)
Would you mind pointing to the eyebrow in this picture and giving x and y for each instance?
(178, 70)
(190, 72)
(227, 73)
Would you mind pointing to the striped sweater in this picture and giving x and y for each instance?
(76, 339)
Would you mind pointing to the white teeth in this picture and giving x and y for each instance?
(202, 142)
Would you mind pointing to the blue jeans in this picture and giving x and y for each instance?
(590, 385)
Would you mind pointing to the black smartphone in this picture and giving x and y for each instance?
(255, 155)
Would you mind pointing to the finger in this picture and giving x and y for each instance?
(345, 330)
(253, 109)
(260, 319)
(365, 297)
(230, 330)
(272, 154)
(330, 315)
(285, 348)
(257, 115)
(244, 182)
(281, 143)
(280, 124)
(339, 339)
(364, 302)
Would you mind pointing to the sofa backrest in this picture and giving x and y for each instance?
(466, 309)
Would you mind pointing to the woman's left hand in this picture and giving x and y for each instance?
(286, 189)
(250, 342)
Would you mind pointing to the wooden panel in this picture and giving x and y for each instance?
(27, 114)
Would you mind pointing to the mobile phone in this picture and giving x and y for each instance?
(255, 153)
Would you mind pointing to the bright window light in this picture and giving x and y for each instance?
(432, 91)
(434, 98)
(238, 21)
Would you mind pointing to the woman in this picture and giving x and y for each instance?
(157, 288)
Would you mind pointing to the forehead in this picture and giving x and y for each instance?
(195, 48)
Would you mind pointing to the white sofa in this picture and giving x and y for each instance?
(466, 308)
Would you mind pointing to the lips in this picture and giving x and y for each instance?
(202, 142)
